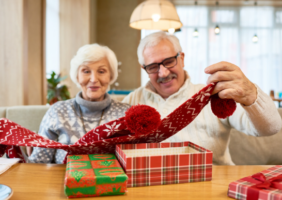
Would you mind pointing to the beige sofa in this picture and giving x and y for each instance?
(245, 150)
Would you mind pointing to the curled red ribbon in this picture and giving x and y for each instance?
(261, 183)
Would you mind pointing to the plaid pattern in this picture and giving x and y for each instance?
(165, 169)
(238, 189)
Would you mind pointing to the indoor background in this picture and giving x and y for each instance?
(41, 36)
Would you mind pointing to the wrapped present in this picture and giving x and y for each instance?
(266, 185)
(164, 163)
(94, 175)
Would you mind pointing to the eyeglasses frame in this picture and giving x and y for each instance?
(161, 63)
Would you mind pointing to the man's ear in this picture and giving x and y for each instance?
(182, 55)
(142, 67)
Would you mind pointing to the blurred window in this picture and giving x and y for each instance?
(261, 62)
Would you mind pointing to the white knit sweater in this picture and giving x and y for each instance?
(259, 119)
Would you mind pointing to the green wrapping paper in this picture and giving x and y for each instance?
(94, 175)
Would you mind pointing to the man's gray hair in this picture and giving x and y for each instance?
(93, 53)
(153, 40)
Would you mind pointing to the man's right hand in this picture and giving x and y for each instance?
(231, 83)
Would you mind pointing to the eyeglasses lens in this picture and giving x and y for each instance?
(168, 63)
(152, 68)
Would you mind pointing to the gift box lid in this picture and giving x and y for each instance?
(265, 185)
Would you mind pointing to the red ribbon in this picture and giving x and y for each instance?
(261, 183)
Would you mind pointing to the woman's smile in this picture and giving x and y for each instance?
(94, 88)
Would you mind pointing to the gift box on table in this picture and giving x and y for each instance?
(94, 175)
(164, 163)
(266, 185)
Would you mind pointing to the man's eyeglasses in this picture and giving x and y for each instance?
(167, 63)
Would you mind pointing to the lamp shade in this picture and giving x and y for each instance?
(155, 15)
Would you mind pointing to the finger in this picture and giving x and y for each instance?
(29, 150)
(227, 94)
(228, 89)
(221, 86)
(221, 66)
(220, 76)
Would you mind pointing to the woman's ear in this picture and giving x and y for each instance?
(77, 78)
(77, 74)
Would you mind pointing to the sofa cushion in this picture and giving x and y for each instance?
(2, 112)
(27, 116)
(249, 150)
(117, 97)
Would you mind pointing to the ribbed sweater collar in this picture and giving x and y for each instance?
(88, 107)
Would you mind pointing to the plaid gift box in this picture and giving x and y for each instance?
(94, 175)
(164, 163)
(266, 185)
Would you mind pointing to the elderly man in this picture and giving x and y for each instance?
(161, 56)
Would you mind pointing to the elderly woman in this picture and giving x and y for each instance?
(93, 69)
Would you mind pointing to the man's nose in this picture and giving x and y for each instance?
(163, 72)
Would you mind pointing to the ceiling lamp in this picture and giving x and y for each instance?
(171, 30)
(217, 30)
(255, 39)
(155, 15)
(195, 33)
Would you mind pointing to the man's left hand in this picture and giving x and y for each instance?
(231, 83)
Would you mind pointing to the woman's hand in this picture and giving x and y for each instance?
(29, 150)
(231, 83)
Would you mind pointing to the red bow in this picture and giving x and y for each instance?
(261, 183)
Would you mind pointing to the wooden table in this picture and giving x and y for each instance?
(41, 181)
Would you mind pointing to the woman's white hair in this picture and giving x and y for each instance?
(153, 40)
(93, 53)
